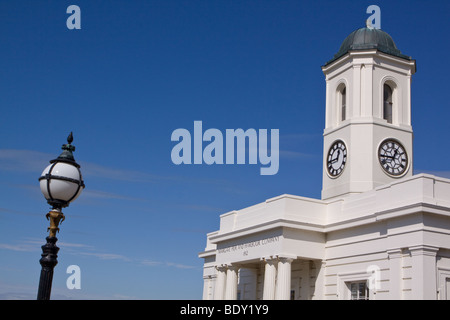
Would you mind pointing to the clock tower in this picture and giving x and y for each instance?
(368, 134)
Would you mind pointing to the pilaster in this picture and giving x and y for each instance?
(395, 257)
(423, 260)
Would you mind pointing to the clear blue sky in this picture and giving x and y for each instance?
(138, 70)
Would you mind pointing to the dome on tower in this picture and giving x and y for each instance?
(369, 38)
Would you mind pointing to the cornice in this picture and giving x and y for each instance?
(411, 209)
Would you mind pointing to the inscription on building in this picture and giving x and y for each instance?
(248, 245)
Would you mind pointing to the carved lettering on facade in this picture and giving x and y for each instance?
(249, 245)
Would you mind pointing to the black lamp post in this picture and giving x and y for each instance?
(61, 183)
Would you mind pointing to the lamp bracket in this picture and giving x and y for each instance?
(56, 217)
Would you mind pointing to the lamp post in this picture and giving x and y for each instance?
(61, 183)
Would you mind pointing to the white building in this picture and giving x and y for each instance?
(379, 232)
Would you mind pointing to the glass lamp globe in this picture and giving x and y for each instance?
(61, 182)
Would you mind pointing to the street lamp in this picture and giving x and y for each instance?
(61, 183)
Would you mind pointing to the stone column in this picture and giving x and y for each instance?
(423, 262)
(232, 282)
(283, 291)
(219, 289)
(270, 273)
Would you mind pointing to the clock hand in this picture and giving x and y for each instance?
(395, 153)
(337, 157)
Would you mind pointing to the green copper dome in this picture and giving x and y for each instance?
(369, 38)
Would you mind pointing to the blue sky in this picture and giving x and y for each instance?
(138, 70)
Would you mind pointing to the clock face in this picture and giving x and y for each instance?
(393, 158)
(336, 158)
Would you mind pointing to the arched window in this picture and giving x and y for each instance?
(340, 104)
(387, 103)
(343, 103)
